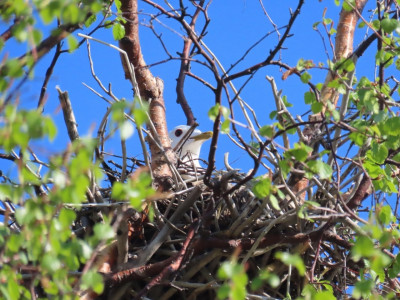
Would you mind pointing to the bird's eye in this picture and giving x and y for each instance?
(178, 132)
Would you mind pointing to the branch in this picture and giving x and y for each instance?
(145, 254)
(47, 44)
(272, 54)
(175, 264)
(343, 49)
(185, 67)
(69, 116)
(49, 72)
(363, 191)
(150, 89)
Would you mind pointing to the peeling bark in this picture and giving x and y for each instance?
(343, 49)
(151, 90)
(363, 191)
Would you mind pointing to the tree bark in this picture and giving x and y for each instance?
(151, 90)
(343, 48)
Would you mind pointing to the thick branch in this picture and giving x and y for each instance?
(363, 191)
(69, 116)
(151, 89)
(343, 48)
(47, 44)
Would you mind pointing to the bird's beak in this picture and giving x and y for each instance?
(202, 136)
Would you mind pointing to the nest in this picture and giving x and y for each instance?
(196, 229)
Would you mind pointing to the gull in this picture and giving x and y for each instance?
(187, 145)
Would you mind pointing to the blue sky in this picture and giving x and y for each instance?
(234, 28)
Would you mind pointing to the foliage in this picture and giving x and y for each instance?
(314, 216)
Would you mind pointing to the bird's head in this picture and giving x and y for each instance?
(188, 143)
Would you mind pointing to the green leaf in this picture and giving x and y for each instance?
(316, 107)
(235, 273)
(363, 247)
(271, 278)
(225, 111)
(262, 187)
(213, 112)
(12, 68)
(392, 126)
(118, 31)
(70, 13)
(267, 131)
(292, 259)
(323, 170)
(309, 97)
(389, 25)
(300, 152)
(226, 270)
(285, 167)
(335, 115)
(66, 217)
(37, 36)
(225, 126)
(118, 191)
(118, 5)
(117, 111)
(223, 291)
(286, 102)
(72, 43)
(378, 152)
(140, 113)
(300, 64)
(103, 231)
(13, 290)
(19, 31)
(135, 190)
(385, 215)
(379, 263)
(89, 21)
(376, 24)
(274, 202)
(108, 24)
(126, 130)
(3, 83)
(50, 128)
(348, 65)
(305, 77)
(238, 291)
(363, 289)
(92, 280)
(397, 64)
(373, 169)
(273, 114)
(348, 5)
(15, 242)
(50, 262)
(394, 270)
(27, 176)
(51, 11)
(358, 138)
(324, 295)
(51, 288)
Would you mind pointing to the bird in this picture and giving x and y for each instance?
(188, 145)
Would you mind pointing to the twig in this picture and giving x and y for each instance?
(145, 254)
